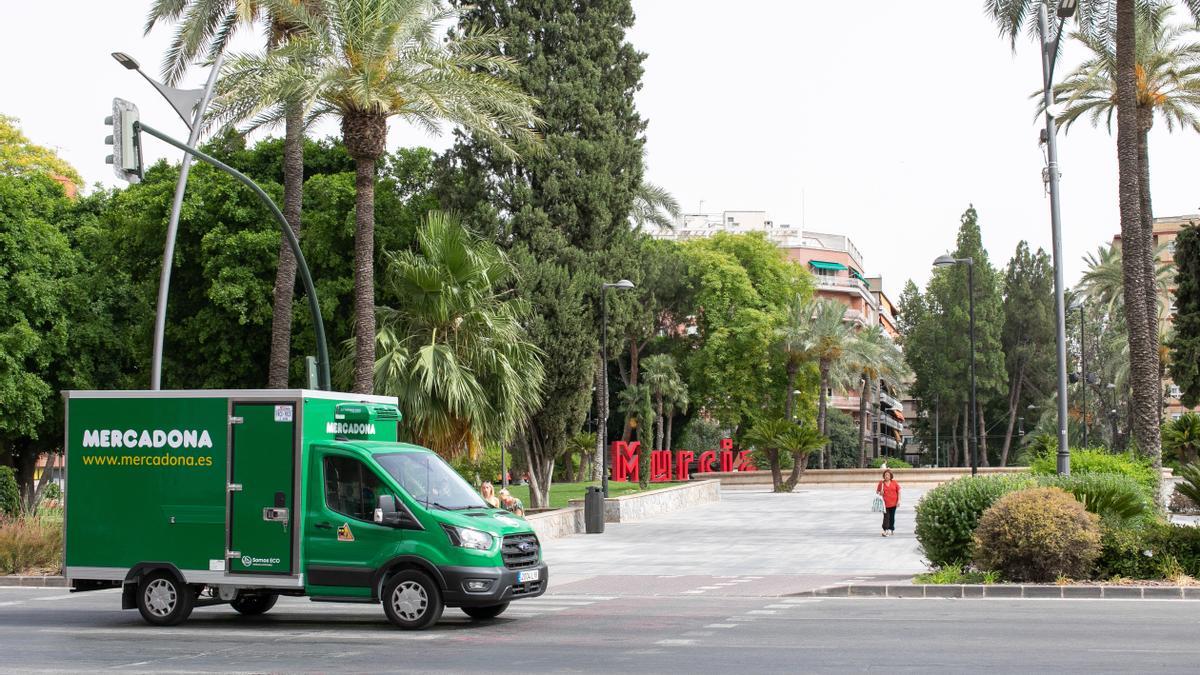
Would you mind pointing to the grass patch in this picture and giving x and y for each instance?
(955, 574)
(561, 493)
(30, 546)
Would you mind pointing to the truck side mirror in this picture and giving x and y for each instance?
(387, 504)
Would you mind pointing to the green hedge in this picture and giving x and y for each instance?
(948, 514)
(1093, 460)
(1112, 496)
(1155, 551)
(892, 462)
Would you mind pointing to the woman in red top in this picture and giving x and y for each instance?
(889, 489)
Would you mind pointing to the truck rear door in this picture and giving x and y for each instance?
(262, 476)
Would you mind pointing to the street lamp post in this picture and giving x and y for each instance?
(973, 414)
(622, 285)
(1078, 304)
(185, 102)
(1066, 8)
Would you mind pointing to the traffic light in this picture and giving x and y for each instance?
(127, 148)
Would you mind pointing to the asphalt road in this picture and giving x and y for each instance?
(734, 630)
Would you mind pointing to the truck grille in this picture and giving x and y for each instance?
(520, 550)
(527, 588)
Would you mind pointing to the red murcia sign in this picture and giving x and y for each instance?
(669, 465)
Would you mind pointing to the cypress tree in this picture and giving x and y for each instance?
(1185, 333)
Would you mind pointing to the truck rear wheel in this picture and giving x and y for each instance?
(163, 600)
(485, 613)
(254, 604)
(411, 600)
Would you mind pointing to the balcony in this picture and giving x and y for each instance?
(888, 442)
(890, 401)
(891, 422)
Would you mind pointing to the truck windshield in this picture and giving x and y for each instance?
(430, 480)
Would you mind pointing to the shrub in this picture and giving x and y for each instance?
(1108, 495)
(1094, 460)
(52, 492)
(1181, 503)
(30, 545)
(10, 494)
(892, 462)
(1039, 534)
(1155, 551)
(947, 515)
(1189, 485)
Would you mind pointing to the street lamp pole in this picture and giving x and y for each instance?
(184, 101)
(1066, 8)
(972, 414)
(622, 285)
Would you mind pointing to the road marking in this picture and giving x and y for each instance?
(801, 601)
(675, 643)
(741, 618)
(56, 597)
(692, 592)
(709, 588)
(762, 611)
(721, 625)
(10, 604)
(699, 633)
(780, 606)
(556, 596)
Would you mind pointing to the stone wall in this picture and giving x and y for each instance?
(557, 523)
(625, 509)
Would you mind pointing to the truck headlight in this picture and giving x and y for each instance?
(468, 538)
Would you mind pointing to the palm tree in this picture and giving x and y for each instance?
(206, 27)
(1118, 18)
(677, 402)
(1168, 85)
(876, 357)
(764, 435)
(366, 61)
(654, 205)
(777, 435)
(800, 440)
(1181, 436)
(452, 347)
(584, 445)
(635, 401)
(817, 332)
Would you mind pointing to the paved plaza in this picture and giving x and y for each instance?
(782, 542)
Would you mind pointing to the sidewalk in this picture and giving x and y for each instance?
(816, 530)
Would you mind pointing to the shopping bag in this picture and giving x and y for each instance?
(877, 504)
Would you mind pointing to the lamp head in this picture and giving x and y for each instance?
(126, 60)
(1077, 303)
(1066, 8)
(945, 261)
(623, 285)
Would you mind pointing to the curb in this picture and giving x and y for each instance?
(51, 581)
(1007, 591)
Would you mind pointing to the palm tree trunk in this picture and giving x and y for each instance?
(1014, 401)
(862, 423)
(776, 474)
(670, 424)
(627, 434)
(1150, 261)
(983, 452)
(821, 407)
(875, 420)
(1143, 358)
(790, 399)
(601, 416)
(285, 274)
(364, 276)
(658, 425)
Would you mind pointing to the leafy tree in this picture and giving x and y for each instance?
(36, 267)
(701, 434)
(845, 441)
(1181, 437)
(1028, 334)
(744, 287)
(10, 494)
(452, 346)
(1185, 331)
(365, 61)
(21, 157)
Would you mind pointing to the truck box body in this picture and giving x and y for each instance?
(184, 477)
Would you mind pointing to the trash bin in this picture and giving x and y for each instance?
(593, 511)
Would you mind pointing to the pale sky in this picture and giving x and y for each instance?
(866, 119)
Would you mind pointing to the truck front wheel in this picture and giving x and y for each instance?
(485, 613)
(411, 600)
(162, 600)
(253, 605)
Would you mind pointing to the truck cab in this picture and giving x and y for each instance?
(192, 498)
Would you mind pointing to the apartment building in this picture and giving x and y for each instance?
(838, 274)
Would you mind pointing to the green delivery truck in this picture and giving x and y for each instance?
(194, 498)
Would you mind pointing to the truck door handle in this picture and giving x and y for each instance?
(323, 526)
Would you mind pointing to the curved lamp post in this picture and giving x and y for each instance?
(602, 437)
(972, 414)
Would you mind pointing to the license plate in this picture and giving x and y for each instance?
(530, 575)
